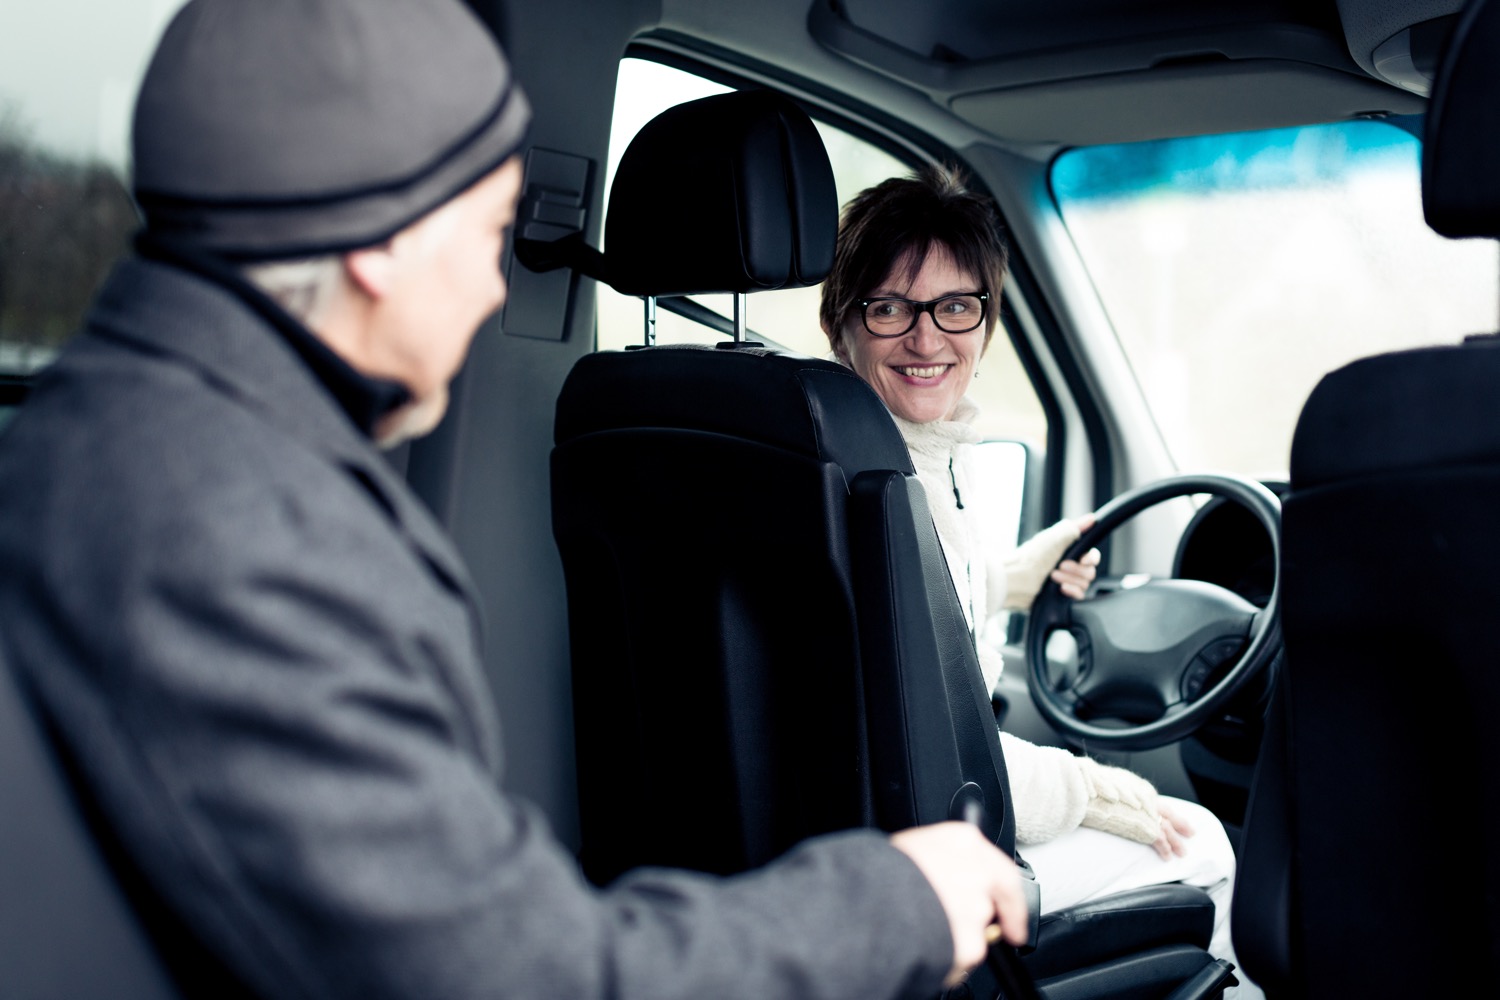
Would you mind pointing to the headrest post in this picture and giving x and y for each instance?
(650, 320)
(739, 317)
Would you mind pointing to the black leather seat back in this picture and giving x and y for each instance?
(1380, 720)
(750, 594)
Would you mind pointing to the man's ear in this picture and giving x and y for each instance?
(372, 269)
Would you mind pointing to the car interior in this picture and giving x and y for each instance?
(656, 449)
(1248, 322)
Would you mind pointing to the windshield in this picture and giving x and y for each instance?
(1239, 269)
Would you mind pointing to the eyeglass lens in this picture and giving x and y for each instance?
(891, 317)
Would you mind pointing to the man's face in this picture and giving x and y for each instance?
(446, 282)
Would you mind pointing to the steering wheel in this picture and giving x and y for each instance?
(1158, 660)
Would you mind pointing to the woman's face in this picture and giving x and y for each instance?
(922, 374)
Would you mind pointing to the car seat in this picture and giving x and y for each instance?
(766, 643)
(1379, 720)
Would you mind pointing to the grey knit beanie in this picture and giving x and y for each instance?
(280, 128)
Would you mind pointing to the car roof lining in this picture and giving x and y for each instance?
(1089, 70)
(1181, 100)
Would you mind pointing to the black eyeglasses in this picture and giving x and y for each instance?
(893, 316)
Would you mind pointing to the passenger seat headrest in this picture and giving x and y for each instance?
(1461, 148)
(731, 193)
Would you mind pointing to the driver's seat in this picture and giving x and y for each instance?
(766, 643)
(1368, 864)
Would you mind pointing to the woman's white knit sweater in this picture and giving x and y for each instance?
(1053, 791)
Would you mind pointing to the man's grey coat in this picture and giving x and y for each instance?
(264, 654)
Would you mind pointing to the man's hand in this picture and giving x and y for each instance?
(976, 883)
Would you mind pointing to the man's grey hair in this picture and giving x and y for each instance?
(303, 287)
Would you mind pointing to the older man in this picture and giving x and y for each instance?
(256, 645)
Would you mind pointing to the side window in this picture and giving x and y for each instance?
(1014, 429)
(1011, 415)
(65, 210)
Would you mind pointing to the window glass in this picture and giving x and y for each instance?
(1238, 269)
(69, 70)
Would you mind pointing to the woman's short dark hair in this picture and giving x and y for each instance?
(895, 223)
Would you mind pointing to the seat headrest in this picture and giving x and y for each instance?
(1461, 147)
(731, 193)
(1358, 420)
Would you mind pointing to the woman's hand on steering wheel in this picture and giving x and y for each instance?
(1074, 576)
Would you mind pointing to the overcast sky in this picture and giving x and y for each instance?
(69, 70)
